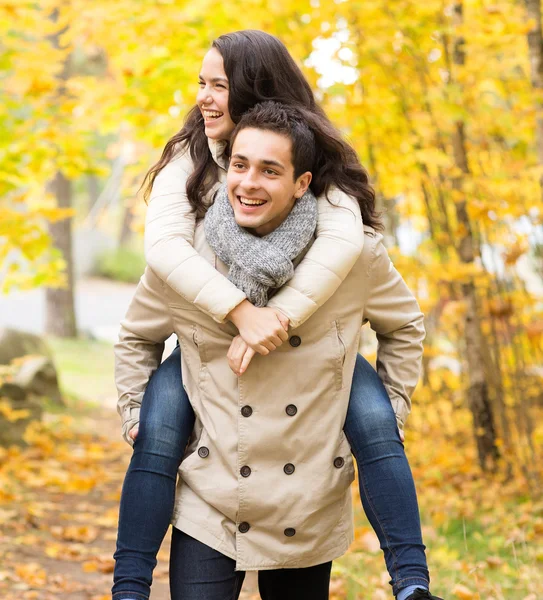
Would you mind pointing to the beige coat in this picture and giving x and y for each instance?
(266, 477)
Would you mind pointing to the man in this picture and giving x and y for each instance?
(265, 482)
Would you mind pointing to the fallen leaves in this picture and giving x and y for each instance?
(75, 533)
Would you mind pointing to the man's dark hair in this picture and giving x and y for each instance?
(283, 120)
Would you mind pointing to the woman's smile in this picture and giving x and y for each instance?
(211, 115)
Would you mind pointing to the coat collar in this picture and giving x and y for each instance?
(218, 152)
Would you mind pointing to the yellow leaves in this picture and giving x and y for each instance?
(365, 540)
(100, 564)
(464, 593)
(10, 414)
(32, 574)
(76, 533)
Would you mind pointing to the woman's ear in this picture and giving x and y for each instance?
(302, 183)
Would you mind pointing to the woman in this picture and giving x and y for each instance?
(242, 69)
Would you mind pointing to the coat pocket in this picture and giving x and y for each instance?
(341, 352)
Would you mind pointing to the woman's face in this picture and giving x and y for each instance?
(212, 98)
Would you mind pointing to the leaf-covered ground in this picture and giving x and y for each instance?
(59, 502)
(58, 513)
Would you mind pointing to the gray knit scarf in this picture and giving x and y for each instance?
(258, 264)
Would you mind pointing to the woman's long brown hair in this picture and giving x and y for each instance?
(260, 68)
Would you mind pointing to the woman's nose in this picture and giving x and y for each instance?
(204, 96)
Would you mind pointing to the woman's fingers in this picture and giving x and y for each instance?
(283, 334)
(283, 319)
(133, 433)
(270, 346)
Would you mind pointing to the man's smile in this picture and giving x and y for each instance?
(251, 202)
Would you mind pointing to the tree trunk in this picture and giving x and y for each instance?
(535, 47)
(93, 187)
(126, 226)
(60, 319)
(479, 401)
(60, 308)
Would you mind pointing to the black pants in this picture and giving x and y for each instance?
(198, 572)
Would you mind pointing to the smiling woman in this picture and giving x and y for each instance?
(212, 97)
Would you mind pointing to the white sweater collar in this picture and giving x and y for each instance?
(218, 152)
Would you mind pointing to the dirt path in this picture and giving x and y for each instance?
(58, 514)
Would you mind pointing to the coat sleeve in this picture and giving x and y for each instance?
(138, 353)
(169, 240)
(395, 316)
(339, 243)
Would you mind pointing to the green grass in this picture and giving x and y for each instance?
(122, 264)
(457, 554)
(86, 371)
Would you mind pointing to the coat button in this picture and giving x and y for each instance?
(339, 462)
(246, 411)
(244, 527)
(290, 532)
(289, 468)
(245, 471)
(291, 410)
(203, 452)
(295, 341)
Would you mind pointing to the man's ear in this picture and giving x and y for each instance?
(302, 183)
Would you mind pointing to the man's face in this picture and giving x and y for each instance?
(261, 185)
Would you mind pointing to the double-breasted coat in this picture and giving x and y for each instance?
(266, 477)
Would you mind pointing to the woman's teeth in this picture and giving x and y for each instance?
(212, 114)
(251, 202)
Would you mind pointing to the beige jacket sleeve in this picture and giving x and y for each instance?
(395, 316)
(169, 239)
(138, 353)
(339, 242)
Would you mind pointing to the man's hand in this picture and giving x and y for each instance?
(239, 355)
(263, 329)
(133, 433)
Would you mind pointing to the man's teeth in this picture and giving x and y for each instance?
(212, 114)
(251, 202)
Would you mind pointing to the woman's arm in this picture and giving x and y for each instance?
(169, 239)
(339, 242)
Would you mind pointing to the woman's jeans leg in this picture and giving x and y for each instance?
(197, 572)
(387, 488)
(147, 499)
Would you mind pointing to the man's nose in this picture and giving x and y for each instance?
(250, 180)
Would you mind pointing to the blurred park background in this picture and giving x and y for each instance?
(443, 101)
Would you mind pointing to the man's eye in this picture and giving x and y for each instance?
(238, 165)
(270, 172)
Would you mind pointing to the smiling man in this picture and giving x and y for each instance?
(263, 190)
(265, 481)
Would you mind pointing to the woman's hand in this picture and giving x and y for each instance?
(263, 329)
(133, 433)
(239, 355)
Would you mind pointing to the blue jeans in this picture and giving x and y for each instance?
(387, 489)
(198, 572)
